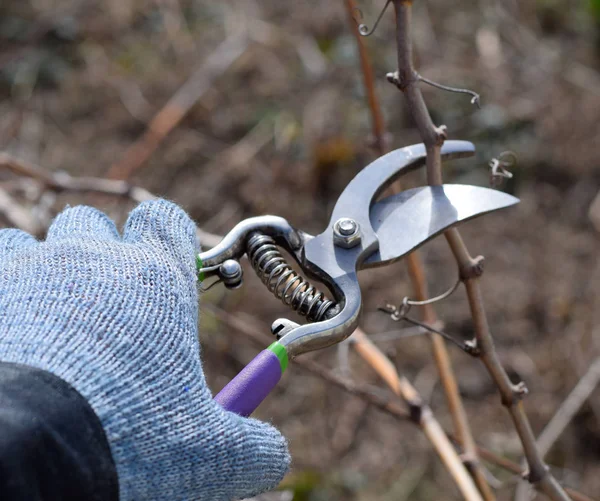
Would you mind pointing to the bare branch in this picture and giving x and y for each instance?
(378, 123)
(407, 80)
(470, 269)
(419, 282)
(422, 414)
(563, 416)
(63, 182)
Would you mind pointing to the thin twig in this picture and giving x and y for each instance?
(566, 412)
(422, 414)
(178, 106)
(470, 269)
(419, 283)
(63, 182)
(377, 120)
(475, 98)
(449, 383)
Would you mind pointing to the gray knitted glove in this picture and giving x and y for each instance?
(117, 319)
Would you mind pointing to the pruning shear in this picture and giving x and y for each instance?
(363, 233)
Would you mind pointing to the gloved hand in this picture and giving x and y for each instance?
(117, 319)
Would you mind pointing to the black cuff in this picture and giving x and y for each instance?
(52, 444)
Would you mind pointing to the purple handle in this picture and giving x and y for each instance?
(249, 388)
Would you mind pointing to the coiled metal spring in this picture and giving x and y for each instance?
(283, 282)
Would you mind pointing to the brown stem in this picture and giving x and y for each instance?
(420, 412)
(63, 182)
(407, 80)
(377, 121)
(470, 269)
(419, 282)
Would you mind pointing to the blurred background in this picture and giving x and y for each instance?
(268, 114)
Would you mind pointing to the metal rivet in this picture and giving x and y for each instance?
(230, 272)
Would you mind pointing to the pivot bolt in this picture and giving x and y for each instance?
(346, 233)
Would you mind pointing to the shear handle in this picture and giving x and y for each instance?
(244, 393)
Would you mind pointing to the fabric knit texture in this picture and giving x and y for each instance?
(116, 317)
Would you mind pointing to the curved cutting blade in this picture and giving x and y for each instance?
(407, 220)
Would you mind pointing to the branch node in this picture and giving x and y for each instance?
(520, 390)
(471, 348)
(469, 460)
(415, 410)
(441, 134)
(536, 475)
(394, 78)
(402, 82)
(474, 269)
(517, 393)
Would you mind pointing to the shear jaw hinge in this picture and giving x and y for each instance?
(346, 233)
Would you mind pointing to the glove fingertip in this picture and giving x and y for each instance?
(12, 240)
(162, 224)
(82, 222)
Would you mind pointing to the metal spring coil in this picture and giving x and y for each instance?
(283, 282)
